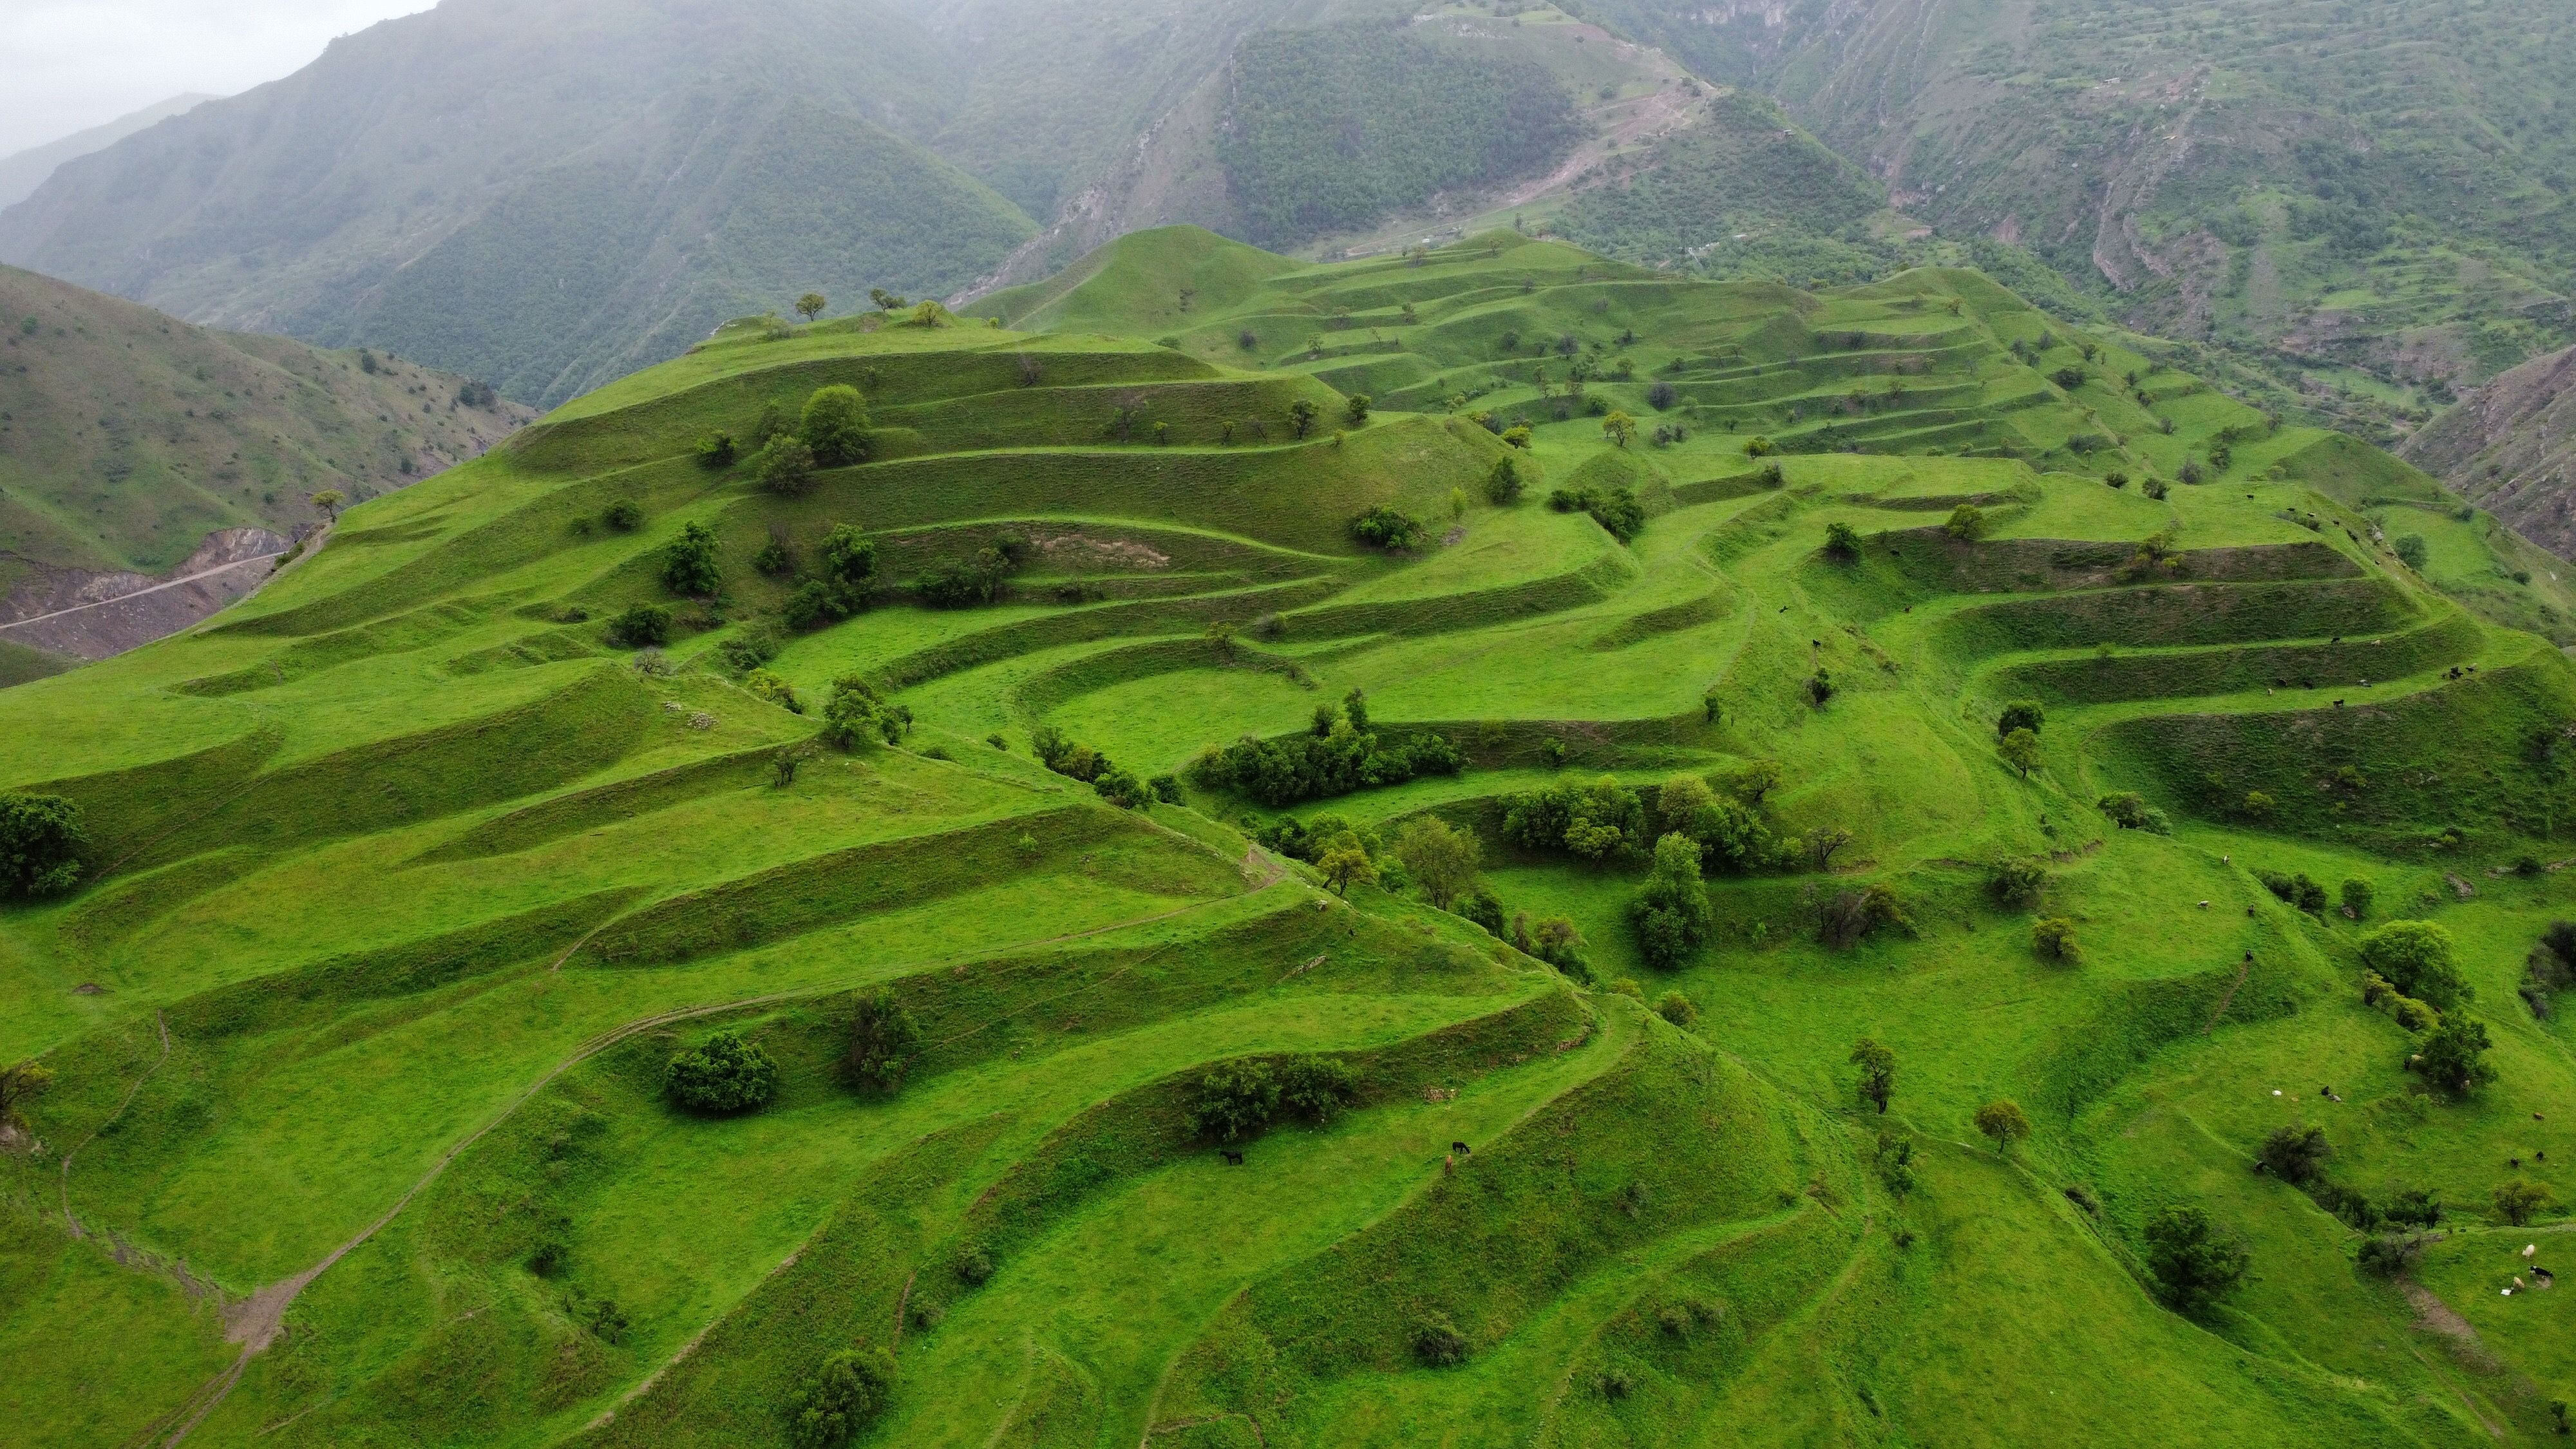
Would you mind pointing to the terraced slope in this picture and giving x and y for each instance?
(406, 882)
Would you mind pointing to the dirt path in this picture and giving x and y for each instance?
(139, 593)
(256, 1321)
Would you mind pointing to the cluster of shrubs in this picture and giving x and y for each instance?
(1236, 1100)
(2550, 969)
(1076, 761)
(2130, 811)
(1721, 814)
(2410, 972)
(1339, 755)
(1390, 529)
(831, 432)
(1615, 509)
(40, 846)
(842, 584)
(857, 715)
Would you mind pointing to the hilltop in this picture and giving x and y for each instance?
(135, 448)
(1248, 851)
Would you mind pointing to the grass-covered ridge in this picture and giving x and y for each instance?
(1301, 854)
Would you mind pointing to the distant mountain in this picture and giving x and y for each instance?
(2510, 447)
(2361, 208)
(135, 449)
(21, 174)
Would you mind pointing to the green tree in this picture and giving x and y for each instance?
(784, 466)
(1842, 541)
(2417, 958)
(1317, 1088)
(884, 1038)
(1671, 914)
(2296, 1155)
(2021, 714)
(1967, 523)
(1877, 1072)
(1504, 483)
(329, 501)
(848, 559)
(1678, 1009)
(20, 1085)
(724, 1076)
(41, 839)
(1302, 414)
(835, 426)
(1356, 408)
(2195, 1266)
(811, 305)
(2054, 939)
(2357, 895)
(2016, 884)
(1345, 865)
(845, 1394)
(2021, 751)
(2519, 1201)
(1234, 1100)
(857, 715)
(1619, 428)
(1440, 858)
(641, 626)
(2453, 1056)
(2413, 552)
(689, 564)
(2004, 1122)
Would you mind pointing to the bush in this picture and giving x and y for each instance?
(1438, 1345)
(2194, 1266)
(1852, 917)
(1123, 789)
(40, 844)
(2412, 552)
(956, 583)
(1618, 510)
(785, 466)
(883, 1040)
(857, 715)
(813, 604)
(2296, 890)
(2130, 811)
(2417, 958)
(1317, 1088)
(1820, 688)
(724, 1076)
(1234, 1100)
(2296, 1155)
(1671, 915)
(1967, 523)
(1592, 821)
(1842, 542)
(2156, 489)
(2519, 1201)
(689, 564)
(623, 516)
(1386, 528)
(844, 1395)
(2453, 1056)
(1294, 768)
(835, 426)
(2016, 884)
(1440, 858)
(2021, 714)
(1480, 907)
(756, 645)
(1504, 484)
(2054, 939)
(717, 450)
(1678, 1009)
(1553, 940)
(642, 626)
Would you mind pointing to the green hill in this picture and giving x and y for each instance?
(1056, 797)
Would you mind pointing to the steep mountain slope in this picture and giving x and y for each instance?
(2509, 445)
(133, 445)
(1155, 1101)
(2364, 204)
(22, 173)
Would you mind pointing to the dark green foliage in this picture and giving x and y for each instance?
(757, 644)
(813, 604)
(2296, 1155)
(1820, 688)
(2297, 890)
(960, 583)
(1332, 128)
(1671, 915)
(1066, 757)
(1481, 907)
(724, 1076)
(1389, 529)
(641, 626)
(2356, 896)
(1877, 1063)
(775, 559)
(843, 1396)
(1299, 767)
(785, 466)
(2417, 958)
(40, 846)
(1842, 542)
(884, 1038)
(2016, 884)
(857, 715)
(717, 450)
(1166, 788)
(1356, 407)
(689, 563)
(2390, 1255)
(2021, 714)
(1592, 822)
(1615, 509)
(1852, 917)
(1318, 1088)
(1122, 789)
(1234, 1100)
(2453, 1056)
(835, 426)
(2413, 552)
(624, 516)
(1437, 1345)
(2195, 1267)
(1506, 482)
(2130, 811)
(2519, 1201)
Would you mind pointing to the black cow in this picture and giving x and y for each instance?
(1232, 1158)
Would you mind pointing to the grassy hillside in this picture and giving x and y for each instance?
(126, 436)
(406, 884)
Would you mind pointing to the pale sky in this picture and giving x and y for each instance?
(67, 65)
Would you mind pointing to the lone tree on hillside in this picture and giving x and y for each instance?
(1441, 858)
(2296, 1155)
(2021, 751)
(330, 501)
(1345, 865)
(1302, 414)
(883, 1039)
(724, 1076)
(2416, 957)
(811, 305)
(785, 466)
(835, 426)
(1877, 1066)
(1356, 408)
(845, 1394)
(1671, 915)
(40, 845)
(2004, 1121)
(689, 564)
(2518, 1201)
(1967, 523)
(20, 1085)
(2453, 1057)
(2021, 714)
(2196, 1268)
(1842, 542)
(1619, 428)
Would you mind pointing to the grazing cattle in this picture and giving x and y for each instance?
(1233, 1158)
(1461, 1149)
